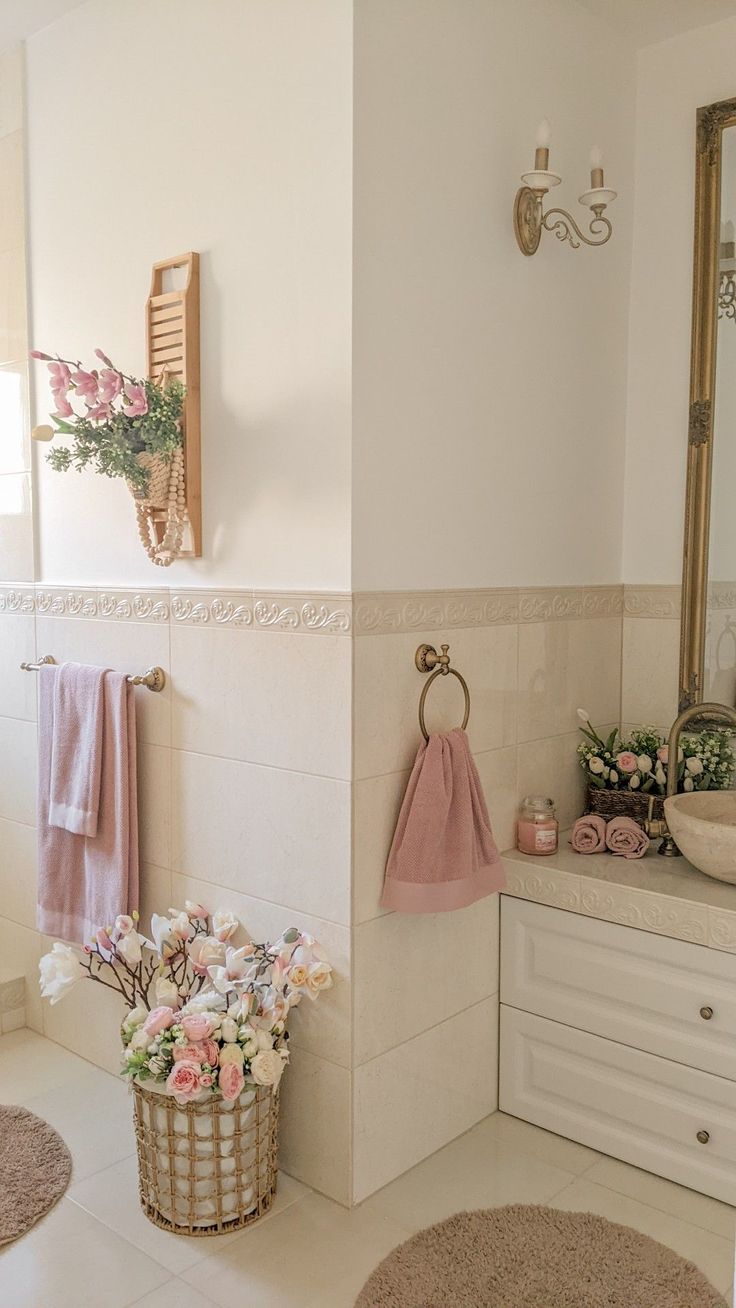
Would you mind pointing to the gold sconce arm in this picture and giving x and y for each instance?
(565, 228)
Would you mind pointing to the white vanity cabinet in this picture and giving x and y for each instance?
(622, 1040)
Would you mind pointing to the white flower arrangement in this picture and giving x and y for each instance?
(640, 764)
(207, 1007)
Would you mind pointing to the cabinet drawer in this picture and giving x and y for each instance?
(634, 1106)
(632, 986)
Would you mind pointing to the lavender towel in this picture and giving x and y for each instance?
(76, 748)
(443, 854)
(85, 881)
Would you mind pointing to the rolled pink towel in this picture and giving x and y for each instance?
(589, 834)
(624, 836)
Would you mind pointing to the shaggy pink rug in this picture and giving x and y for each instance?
(525, 1256)
(35, 1168)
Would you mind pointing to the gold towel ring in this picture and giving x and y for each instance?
(426, 659)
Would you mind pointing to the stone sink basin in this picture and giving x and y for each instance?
(703, 824)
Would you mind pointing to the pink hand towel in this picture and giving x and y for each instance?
(589, 834)
(85, 881)
(443, 854)
(624, 836)
(76, 748)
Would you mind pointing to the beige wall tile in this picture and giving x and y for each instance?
(388, 687)
(412, 1100)
(12, 199)
(16, 527)
(129, 647)
(13, 307)
(498, 772)
(154, 804)
(323, 1027)
(566, 665)
(18, 757)
(267, 697)
(18, 877)
(17, 645)
(314, 1128)
(550, 767)
(281, 836)
(11, 90)
(155, 893)
(376, 805)
(15, 452)
(87, 1020)
(20, 950)
(414, 971)
(651, 655)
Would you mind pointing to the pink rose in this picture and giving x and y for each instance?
(158, 1020)
(206, 1080)
(231, 1081)
(627, 762)
(197, 1027)
(184, 1080)
(206, 1051)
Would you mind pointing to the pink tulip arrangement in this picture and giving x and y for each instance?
(111, 417)
(207, 1007)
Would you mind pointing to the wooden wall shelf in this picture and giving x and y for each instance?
(172, 342)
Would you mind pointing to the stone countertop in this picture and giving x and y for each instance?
(665, 895)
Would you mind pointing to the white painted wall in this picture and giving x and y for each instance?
(674, 78)
(488, 389)
(157, 126)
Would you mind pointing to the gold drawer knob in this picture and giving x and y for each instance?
(706, 1013)
(703, 1137)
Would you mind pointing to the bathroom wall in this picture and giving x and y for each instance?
(674, 78)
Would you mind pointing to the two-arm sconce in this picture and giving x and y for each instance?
(529, 215)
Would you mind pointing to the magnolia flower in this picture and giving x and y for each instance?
(644, 763)
(111, 384)
(99, 412)
(224, 925)
(205, 952)
(180, 925)
(163, 936)
(85, 384)
(129, 948)
(60, 378)
(274, 1005)
(123, 925)
(694, 766)
(195, 910)
(60, 971)
(137, 403)
(267, 1067)
(235, 972)
(596, 764)
(63, 408)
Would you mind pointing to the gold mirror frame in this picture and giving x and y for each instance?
(711, 120)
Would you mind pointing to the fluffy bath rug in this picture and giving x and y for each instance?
(35, 1169)
(525, 1256)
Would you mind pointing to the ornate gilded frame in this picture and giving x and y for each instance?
(711, 120)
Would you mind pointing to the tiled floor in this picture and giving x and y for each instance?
(96, 1247)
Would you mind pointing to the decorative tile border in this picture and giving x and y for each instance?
(722, 595)
(652, 601)
(393, 612)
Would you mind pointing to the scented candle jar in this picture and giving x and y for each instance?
(537, 827)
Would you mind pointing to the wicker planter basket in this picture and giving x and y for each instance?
(158, 467)
(623, 803)
(209, 1167)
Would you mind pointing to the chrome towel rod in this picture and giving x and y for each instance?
(153, 678)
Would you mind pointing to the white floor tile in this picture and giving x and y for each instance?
(529, 1139)
(93, 1114)
(314, 1253)
(69, 1259)
(174, 1294)
(29, 1063)
(696, 1209)
(112, 1197)
(711, 1253)
(472, 1172)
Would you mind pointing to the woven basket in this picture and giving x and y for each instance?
(209, 1167)
(158, 467)
(623, 803)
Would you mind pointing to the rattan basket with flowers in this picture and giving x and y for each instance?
(205, 1045)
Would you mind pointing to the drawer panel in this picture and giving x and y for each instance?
(631, 1105)
(641, 989)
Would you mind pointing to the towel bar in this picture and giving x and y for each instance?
(152, 678)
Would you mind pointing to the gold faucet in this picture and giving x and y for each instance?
(668, 846)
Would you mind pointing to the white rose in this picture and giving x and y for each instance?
(229, 1029)
(60, 971)
(634, 782)
(596, 764)
(267, 1067)
(613, 777)
(231, 1054)
(688, 784)
(694, 766)
(140, 1040)
(136, 1017)
(644, 763)
(250, 1048)
(166, 993)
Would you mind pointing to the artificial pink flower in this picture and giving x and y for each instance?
(104, 939)
(206, 1080)
(204, 952)
(111, 384)
(85, 384)
(39, 354)
(626, 761)
(197, 1026)
(63, 408)
(138, 404)
(123, 925)
(60, 378)
(99, 412)
(231, 1081)
(663, 754)
(195, 910)
(205, 1051)
(184, 1080)
(101, 355)
(158, 1020)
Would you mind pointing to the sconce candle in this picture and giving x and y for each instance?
(544, 136)
(529, 216)
(596, 168)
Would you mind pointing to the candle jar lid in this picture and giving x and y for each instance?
(538, 806)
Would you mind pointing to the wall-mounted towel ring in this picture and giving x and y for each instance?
(426, 659)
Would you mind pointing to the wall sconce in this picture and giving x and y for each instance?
(529, 218)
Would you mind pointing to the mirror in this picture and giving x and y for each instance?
(708, 639)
